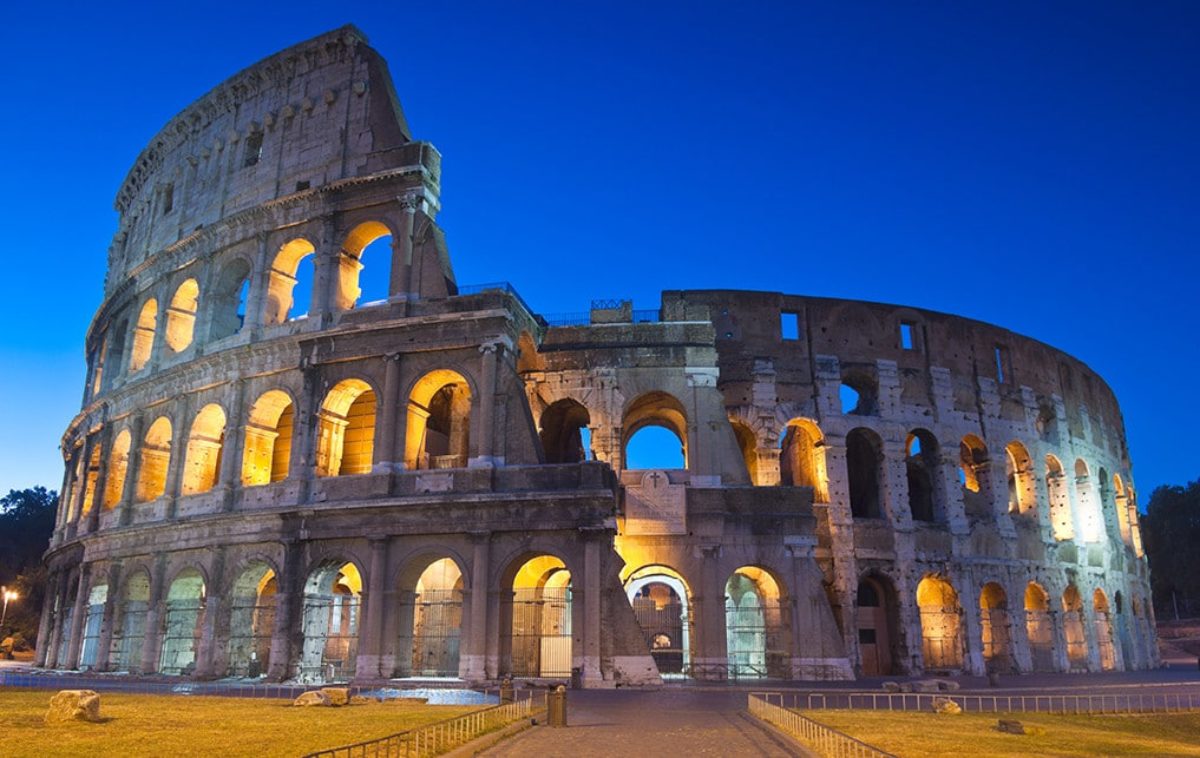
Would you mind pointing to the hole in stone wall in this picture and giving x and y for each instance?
(654, 447)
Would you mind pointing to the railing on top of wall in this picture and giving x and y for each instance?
(824, 739)
(1141, 702)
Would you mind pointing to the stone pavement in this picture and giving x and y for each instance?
(668, 722)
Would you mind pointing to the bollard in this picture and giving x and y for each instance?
(556, 706)
(993, 678)
(576, 678)
(506, 691)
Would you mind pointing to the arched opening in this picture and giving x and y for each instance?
(89, 644)
(1104, 631)
(181, 315)
(155, 458)
(346, 429)
(118, 466)
(183, 623)
(754, 625)
(1091, 522)
(431, 615)
(268, 447)
(1061, 522)
(878, 625)
(332, 596)
(941, 624)
(439, 422)
(364, 266)
(994, 628)
(290, 282)
(1121, 503)
(202, 463)
(802, 458)
(1073, 629)
(921, 465)
(1020, 477)
(563, 427)
(748, 445)
(1038, 627)
(252, 621)
(864, 454)
(89, 483)
(858, 393)
(655, 433)
(131, 634)
(1124, 632)
(975, 475)
(143, 336)
(115, 359)
(662, 605)
(228, 309)
(540, 622)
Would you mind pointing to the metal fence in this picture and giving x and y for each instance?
(155, 685)
(825, 740)
(441, 736)
(1161, 702)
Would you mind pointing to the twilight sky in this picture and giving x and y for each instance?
(1031, 164)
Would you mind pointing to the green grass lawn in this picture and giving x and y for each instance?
(180, 725)
(975, 735)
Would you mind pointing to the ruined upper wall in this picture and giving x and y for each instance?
(317, 112)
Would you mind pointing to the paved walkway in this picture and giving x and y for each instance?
(663, 723)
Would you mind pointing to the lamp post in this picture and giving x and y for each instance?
(8, 595)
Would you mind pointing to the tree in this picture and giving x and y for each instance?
(26, 524)
(1171, 532)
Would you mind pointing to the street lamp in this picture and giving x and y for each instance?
(8, 595)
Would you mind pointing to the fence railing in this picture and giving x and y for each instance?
(1142, 702)
(824, 739)
(441, 736)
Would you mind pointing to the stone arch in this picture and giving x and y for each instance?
(921, 463)
(332, 602)
(91, 474)
(227, 308)
(180, 330)
(662, 603)
(438, 433)
(995, 629)
(118, 466)
(748, 445)
(537, 617)
(757, 632)
(183, 621)
(941, 623)
(1062, 522)
(154, 461)
(431, 586)
(864, 460)
(975, 475)
(1039, 628)
(562, 429)
(253, 601)
(654, 409)
(283, 277)
(89, 644)
(267, 451)
(1091, 522)
(528, 357)
(802, 458)
(350, 262)
(1073, 628)
(1104, 630)
(1121, 504)
(346, 429)
(130, 634)
(880, 647)
(206, 442)
(1022, 489)
(143, 336)
(859, 391)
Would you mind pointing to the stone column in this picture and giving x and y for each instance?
(474, 653)
(370, 641)
(385, 452)
(206, 652)
(710, 657)
(93, 516)
(894, 486)
(303, 458)
(57, 602)
(229, 476)
(78, 616)
(150, 643)
(841, 533)
(288, 609)
(107, 625)
(79, 487)
(180, 430)
(400, 283)
(132, 464)
(325, 273)
(485, 457)
(45, 631)
(259, 282)
(956, 512)
(592, 542)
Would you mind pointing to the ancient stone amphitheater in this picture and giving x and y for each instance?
(274, 476)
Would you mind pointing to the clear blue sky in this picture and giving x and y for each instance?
(1029, 164)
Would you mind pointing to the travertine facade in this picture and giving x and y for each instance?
(436, 483)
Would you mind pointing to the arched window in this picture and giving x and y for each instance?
(184, 623)
(539, 617)
(802, 458)
(661, 604)
(368, 244)
(268, 447)
(1061, 521)
(974, 470)
(346, 429)
(859, 393)
(181, 315)
(864, 453)
(655, 429)
(202, 463)
(155, 458)
(994, 626)
(562, 430)
(1104, 630)
(228, 299)
(130, 632)
(1022, 494)
(252, 620)
(1038, 627)
(1121, 503)
(332, 598)
(290, 282)
(118, 465)
(439, 422)
(921, 465)
(1073, 628)
(143, 336)
(1091, 523)
(431, 614)
(755, 628)
(941, 617)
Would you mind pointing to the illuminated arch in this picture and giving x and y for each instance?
(332, 600)
(143, 336)
(154, 461)
(941, 623)
(283, 277)
(802, 458)
(268, 447)
(346, 429)
(538, 618)
(1022, 494)
(563, 429)
(181, 315)
(431, 617)
(662, 604)
(654, 409)
(996, 635)
(350, 262)
(202, 461)
(184, 622)
(439, 421)
(118, 467)
(252, 606)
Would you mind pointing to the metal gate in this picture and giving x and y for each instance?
(436, 633)
(541, 632)
(1077, 654)
(251, 624)
(755, 639)
(180, 638)
(993, 623)
(1041, 640)
(940, 643)
(665, 629)
(91, 636)
(133, 634)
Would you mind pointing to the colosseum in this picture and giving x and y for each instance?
(275, 476)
